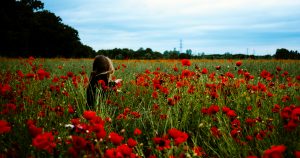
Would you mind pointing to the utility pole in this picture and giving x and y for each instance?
(180, 46)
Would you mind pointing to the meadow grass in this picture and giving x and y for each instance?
(232, 111)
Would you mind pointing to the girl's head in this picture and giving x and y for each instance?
(103, 67)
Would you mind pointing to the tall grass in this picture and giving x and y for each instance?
(196, 108)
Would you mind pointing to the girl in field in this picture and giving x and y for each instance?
(103, 69)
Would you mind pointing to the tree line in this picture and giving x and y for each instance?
(27, 29)
(147, 53)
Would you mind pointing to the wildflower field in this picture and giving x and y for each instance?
(162, 108)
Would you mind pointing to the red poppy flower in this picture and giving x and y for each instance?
(111, 153)
(249, 138)
(278, 68)
(212, 76)
(71, 110)
(276, 108)
(213, 109)
(89, 115)
(261, 87)
(115, 138)
(291, 125)
(178, 136)
(247, 75)
(9, 107)
(163, 116)
(252, 156)
(229, 74)
(185, 73)
(147, 71)
(155, 94)
(124, 149)
(296, 114)
(198, 151)
(231, 113)
(41, 74)
(179, 84)
(75, 121)
(183, 137)
(55, 79)
(5, 89)
(238, 63)
(131, 142)
(4, 127)
(274, 151)
(234, 133)
(101, 134)
(72, 151)
(249, 108)
(79, 143)
(31, 59)
(155, 107)
(174, 133)
(214, 94)
(97, 122)
(34, 131)
(175, 68)
(171, 101)
(286, 113)
(204, 110)
(44, 141)
(250, 122)
(162, 143)
(235, 123)
(103, 85)
(215, 131)
(191, 89)
(225, 109)
(30, 75)
(20, 73)
(297, 154)
(269, 94)
(164, 90)
(285, 98)
(185, 62)
(137, 132)
(204, 71)
(135, 114)
(265, 74)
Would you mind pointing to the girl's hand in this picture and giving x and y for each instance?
(118, 80)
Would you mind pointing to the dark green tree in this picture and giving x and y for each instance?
(282, 54)
(28, 30)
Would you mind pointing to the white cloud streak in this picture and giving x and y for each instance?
(212, 26)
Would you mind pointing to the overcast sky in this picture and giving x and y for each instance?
(210, 26)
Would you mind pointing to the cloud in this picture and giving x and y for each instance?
(215, 26)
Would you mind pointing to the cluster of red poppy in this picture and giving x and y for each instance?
(4, 127)
(145, 120)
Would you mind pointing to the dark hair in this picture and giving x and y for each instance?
(102, 70)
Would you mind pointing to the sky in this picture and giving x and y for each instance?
(256, 27)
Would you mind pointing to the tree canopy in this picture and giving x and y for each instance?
(29, 30)
(286, 54)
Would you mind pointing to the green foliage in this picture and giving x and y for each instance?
(28, 30)
(286, 54)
